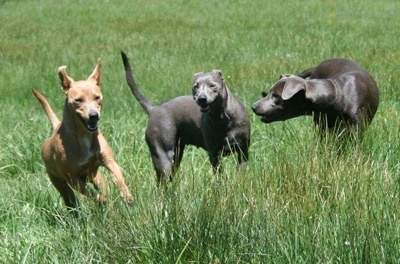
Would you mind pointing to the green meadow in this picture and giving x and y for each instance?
(299, 201)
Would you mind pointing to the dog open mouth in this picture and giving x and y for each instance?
(275, 116)
(91, 126)
(204, 108)
(266, 119)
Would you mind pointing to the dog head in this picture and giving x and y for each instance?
(209, 90)
(286, 99)
(84, 97)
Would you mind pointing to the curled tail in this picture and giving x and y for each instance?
(307, 73)
(147, 106)
(47, 108)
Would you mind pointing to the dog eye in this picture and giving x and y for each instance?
(78, 100)
(214, 87)
(276, 98)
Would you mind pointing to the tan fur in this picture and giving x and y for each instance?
(76, 148)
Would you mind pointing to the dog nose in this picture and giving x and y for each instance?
(255, 107)
(93, 115)
(202, 99)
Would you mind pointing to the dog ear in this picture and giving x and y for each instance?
(220, 74)
(95, 76)
(66, 81)
(291, 88)
(197, 74)
(284, 75)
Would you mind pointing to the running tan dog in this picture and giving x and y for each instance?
(76, 148)
(339, 92)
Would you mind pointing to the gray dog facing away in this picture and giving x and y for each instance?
(339, 92)
(220, 125)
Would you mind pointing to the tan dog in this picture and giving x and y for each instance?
(76, 148)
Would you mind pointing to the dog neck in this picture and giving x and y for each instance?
(321, 92)
(219, 114)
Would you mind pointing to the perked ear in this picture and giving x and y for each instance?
(219, 72)
(95, 76)
(66, 81)
(292, 87)
(221, 75)
(196, 76)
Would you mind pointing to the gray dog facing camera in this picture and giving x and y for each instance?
(220, 125)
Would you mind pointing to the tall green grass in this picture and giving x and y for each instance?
(299, 201)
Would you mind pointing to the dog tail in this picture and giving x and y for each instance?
(146, 104)
(47, 108)
(307, 73)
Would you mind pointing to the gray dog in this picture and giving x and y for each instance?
(339, 92)
(221, 125)
(225, 122)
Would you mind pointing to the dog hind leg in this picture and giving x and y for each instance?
(163, 162)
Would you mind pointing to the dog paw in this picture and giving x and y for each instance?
(128, 198)
(101, 198)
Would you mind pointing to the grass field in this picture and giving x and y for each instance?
(298, 201)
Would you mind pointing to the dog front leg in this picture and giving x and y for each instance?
(101, 185)
(80, 185)
(66, 192)
(118, 178)
(214, 160)
(243, 157)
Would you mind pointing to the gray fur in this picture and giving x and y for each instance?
(339, 92)
(179, 122)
